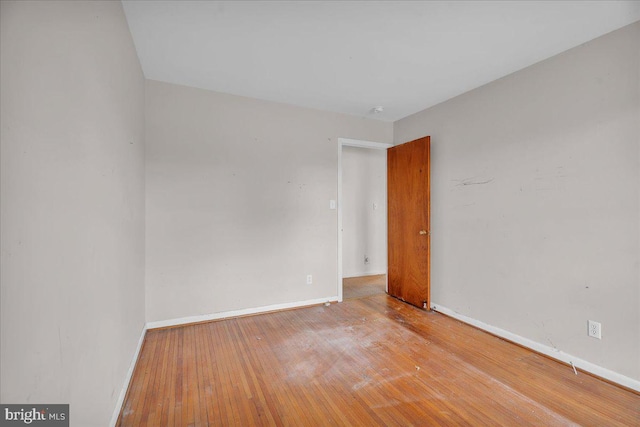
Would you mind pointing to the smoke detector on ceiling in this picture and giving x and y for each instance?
(378, 109)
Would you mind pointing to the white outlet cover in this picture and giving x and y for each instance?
(332, 204)
(595, 329)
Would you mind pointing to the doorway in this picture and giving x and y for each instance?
(362, 218)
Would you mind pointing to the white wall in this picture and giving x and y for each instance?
(238, 197)
(535, 200)
(364, 183)
(72, 197)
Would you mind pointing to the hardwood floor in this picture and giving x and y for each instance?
(367, 361)
(364, 286)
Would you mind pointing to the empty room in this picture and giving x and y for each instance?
(313, 213)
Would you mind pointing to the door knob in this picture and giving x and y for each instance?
(423, 231)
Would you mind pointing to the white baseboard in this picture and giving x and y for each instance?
(127, 380)
(236, 313)
(368, 273)
(544, 349)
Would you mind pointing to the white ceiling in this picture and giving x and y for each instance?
(349, 57)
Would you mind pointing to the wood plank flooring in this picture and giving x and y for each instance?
(364, 362)
(363, 286)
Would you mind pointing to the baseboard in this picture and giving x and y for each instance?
(127, 380)
(368, 273)
(236, 313)
(544, 349)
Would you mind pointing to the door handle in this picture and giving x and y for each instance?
(423, 232)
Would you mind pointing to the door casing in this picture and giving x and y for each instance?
(342, 142)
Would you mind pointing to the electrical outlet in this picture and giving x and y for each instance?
(309, 279)
(595, 329)
(366, 259)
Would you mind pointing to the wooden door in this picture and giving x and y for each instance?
(409, 249)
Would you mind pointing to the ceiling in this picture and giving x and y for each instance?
(350, 57)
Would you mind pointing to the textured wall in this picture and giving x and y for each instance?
(72, 217)
(535, 211)
(238, 197)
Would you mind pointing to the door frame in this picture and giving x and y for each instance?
(346, 142)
